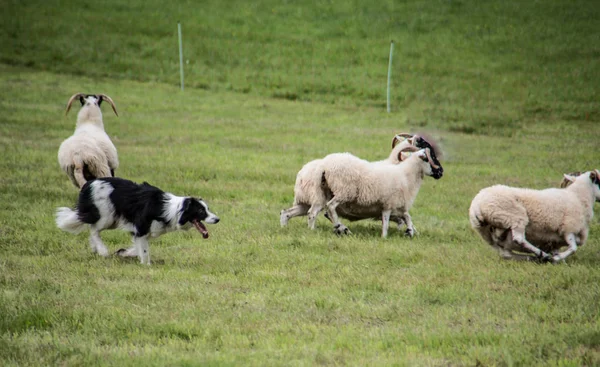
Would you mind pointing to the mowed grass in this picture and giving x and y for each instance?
(508, 89)
(255, 293)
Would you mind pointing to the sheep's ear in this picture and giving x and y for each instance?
(594, 177)
(81, 100)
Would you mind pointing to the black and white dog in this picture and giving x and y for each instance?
(144, 210)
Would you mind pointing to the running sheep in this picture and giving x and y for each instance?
(518, 222)
(384, 187)
(88, 153)
(309, 191)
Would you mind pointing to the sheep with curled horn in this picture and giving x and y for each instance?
(383, 187)
(88, 153)
(309, 195)
(376, 186)
(354, 212)
(526, 224)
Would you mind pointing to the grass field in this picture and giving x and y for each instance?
(509, 88)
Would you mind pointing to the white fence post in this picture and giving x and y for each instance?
(389, 79)
(180, 54)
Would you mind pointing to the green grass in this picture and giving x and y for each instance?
(508, 88)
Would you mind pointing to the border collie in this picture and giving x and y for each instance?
(143, 210)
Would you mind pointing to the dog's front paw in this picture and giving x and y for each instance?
(123, 252)
(341, 229)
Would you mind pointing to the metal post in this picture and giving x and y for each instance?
(389, 80)
(181, 54)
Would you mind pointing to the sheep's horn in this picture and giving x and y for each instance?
(398, 136)
(433, 165)
(107, 98)
(73, 97)
(410, 148)
(415, 138)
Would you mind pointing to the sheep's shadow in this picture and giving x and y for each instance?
(369, 228)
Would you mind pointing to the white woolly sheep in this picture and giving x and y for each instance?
(387, 188)
(355, 212)
(88, 153)
(536, 221)
(309, 190)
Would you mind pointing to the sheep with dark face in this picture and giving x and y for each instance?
(518, 222)
(310, 195)
(88, 153)
(383, 187)
(355, 212)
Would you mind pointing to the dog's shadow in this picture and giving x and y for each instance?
(133, 259)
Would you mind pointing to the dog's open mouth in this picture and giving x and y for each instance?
(201, 228)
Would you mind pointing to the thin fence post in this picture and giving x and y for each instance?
(389, 78)
(180, 54)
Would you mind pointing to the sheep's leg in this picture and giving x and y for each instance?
(570, 238)
(385, 222)
(338, 227)
(519, 238)
(295, 211)
(398, 220)
(96, 243)
(313, 213)
(410, 228)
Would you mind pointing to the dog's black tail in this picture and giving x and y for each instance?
(68, 220)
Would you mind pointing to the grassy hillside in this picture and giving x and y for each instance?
(464, 65)
(508, 88)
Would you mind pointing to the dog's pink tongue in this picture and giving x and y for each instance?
(201, 228)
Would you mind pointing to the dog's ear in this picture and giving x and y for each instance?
(186, 204)
(185, 216)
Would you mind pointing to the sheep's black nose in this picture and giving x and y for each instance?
(217, 220)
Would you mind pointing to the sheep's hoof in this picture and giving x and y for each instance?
(410, 232)
(341, 229)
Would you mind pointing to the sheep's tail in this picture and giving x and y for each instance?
(90, 169)
(480, 224)
(78, 170)
(68, 220)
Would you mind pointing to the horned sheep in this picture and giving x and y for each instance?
(387, 188)
(309, 195)
(88, 153)
(536, 222)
